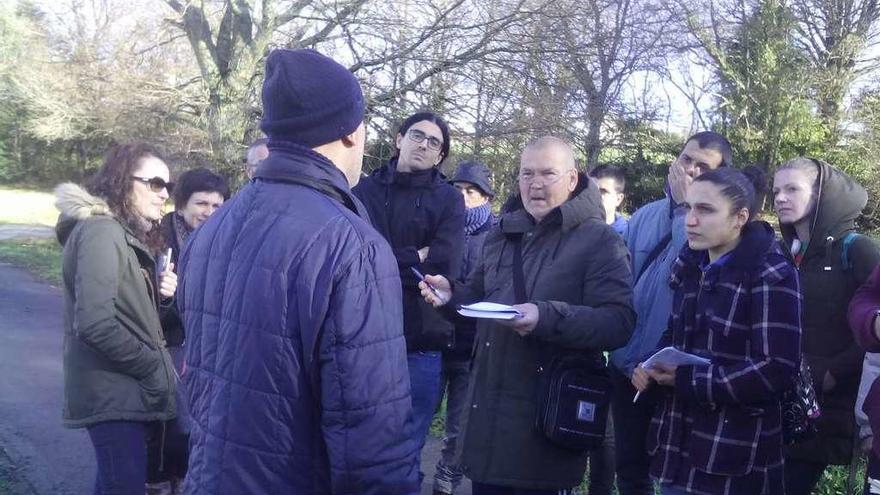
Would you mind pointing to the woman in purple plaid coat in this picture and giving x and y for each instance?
(737, 303)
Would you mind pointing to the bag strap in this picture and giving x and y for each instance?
(848, 241)
(519, 277)
(661, 245)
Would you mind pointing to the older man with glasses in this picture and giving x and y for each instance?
(422, 217)
(567, 273)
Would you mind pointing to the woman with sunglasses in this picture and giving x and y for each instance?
(119, 380)
(817, 205)
(736, 303)
(422, 217)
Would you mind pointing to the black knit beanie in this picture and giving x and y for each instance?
(309, 99)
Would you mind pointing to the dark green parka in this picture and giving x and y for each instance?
(116, 366)
(577, 272)
(827, 288)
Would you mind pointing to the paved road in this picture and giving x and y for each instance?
(21, 231)
(55, 460)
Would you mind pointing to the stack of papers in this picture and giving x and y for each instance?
(489, 310)
(671, 355)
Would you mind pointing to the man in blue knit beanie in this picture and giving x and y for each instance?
(297, 372)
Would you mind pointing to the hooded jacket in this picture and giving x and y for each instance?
(411, 211)
(576, 271)
(116, 366)
(827, 287)
(296, 363)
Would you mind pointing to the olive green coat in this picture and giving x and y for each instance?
(576, 271)
(116, 366)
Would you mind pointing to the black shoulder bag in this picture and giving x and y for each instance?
(573, 392)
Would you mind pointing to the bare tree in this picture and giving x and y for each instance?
(836, 36)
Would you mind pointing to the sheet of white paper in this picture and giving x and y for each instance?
(671, 355)
(489, 310)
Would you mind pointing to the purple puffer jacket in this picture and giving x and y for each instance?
(863, 308)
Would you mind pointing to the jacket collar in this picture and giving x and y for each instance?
(388, 174)
(757, 240)
(293, 161)
(585, 203)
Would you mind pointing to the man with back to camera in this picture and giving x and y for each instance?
(296, 361)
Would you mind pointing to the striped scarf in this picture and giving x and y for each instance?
(476, 217)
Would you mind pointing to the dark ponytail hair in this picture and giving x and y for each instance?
(744, 188)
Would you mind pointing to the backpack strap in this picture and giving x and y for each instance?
(658, 248)
(848, 241)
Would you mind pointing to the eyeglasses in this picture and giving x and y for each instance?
(545, 178)
(417, 136)
(156, 183)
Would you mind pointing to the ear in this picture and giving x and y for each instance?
(619, 199)
(573, 179)
(398, 140)
(350, 140)
(438, 159)
(742, 218)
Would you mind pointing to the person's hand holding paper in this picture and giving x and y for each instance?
(661, 367)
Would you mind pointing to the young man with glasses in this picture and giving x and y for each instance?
(422, 217)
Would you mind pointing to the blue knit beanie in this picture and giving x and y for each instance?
(309, 99)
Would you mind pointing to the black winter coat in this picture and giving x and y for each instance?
(412, 211)
(576, 271)
(827, 287)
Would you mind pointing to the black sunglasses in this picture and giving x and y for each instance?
(156, 183)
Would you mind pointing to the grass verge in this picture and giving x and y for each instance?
(27, 207)
(42, 258)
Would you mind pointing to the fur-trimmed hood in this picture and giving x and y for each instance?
(74, 204)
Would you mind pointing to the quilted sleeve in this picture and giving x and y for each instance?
(365, 391)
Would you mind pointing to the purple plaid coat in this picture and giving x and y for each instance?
(718, 431)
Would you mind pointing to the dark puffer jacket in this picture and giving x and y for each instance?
(297, 373)
(576, 272)
(116, 366)
(827, 288)
(414, 210)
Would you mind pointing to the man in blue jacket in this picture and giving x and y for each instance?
(655, 236)
(297, 371)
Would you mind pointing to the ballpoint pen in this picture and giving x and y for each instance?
(422, 278)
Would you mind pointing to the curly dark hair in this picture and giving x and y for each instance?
(113, 183)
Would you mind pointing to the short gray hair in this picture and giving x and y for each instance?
(549, 142)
